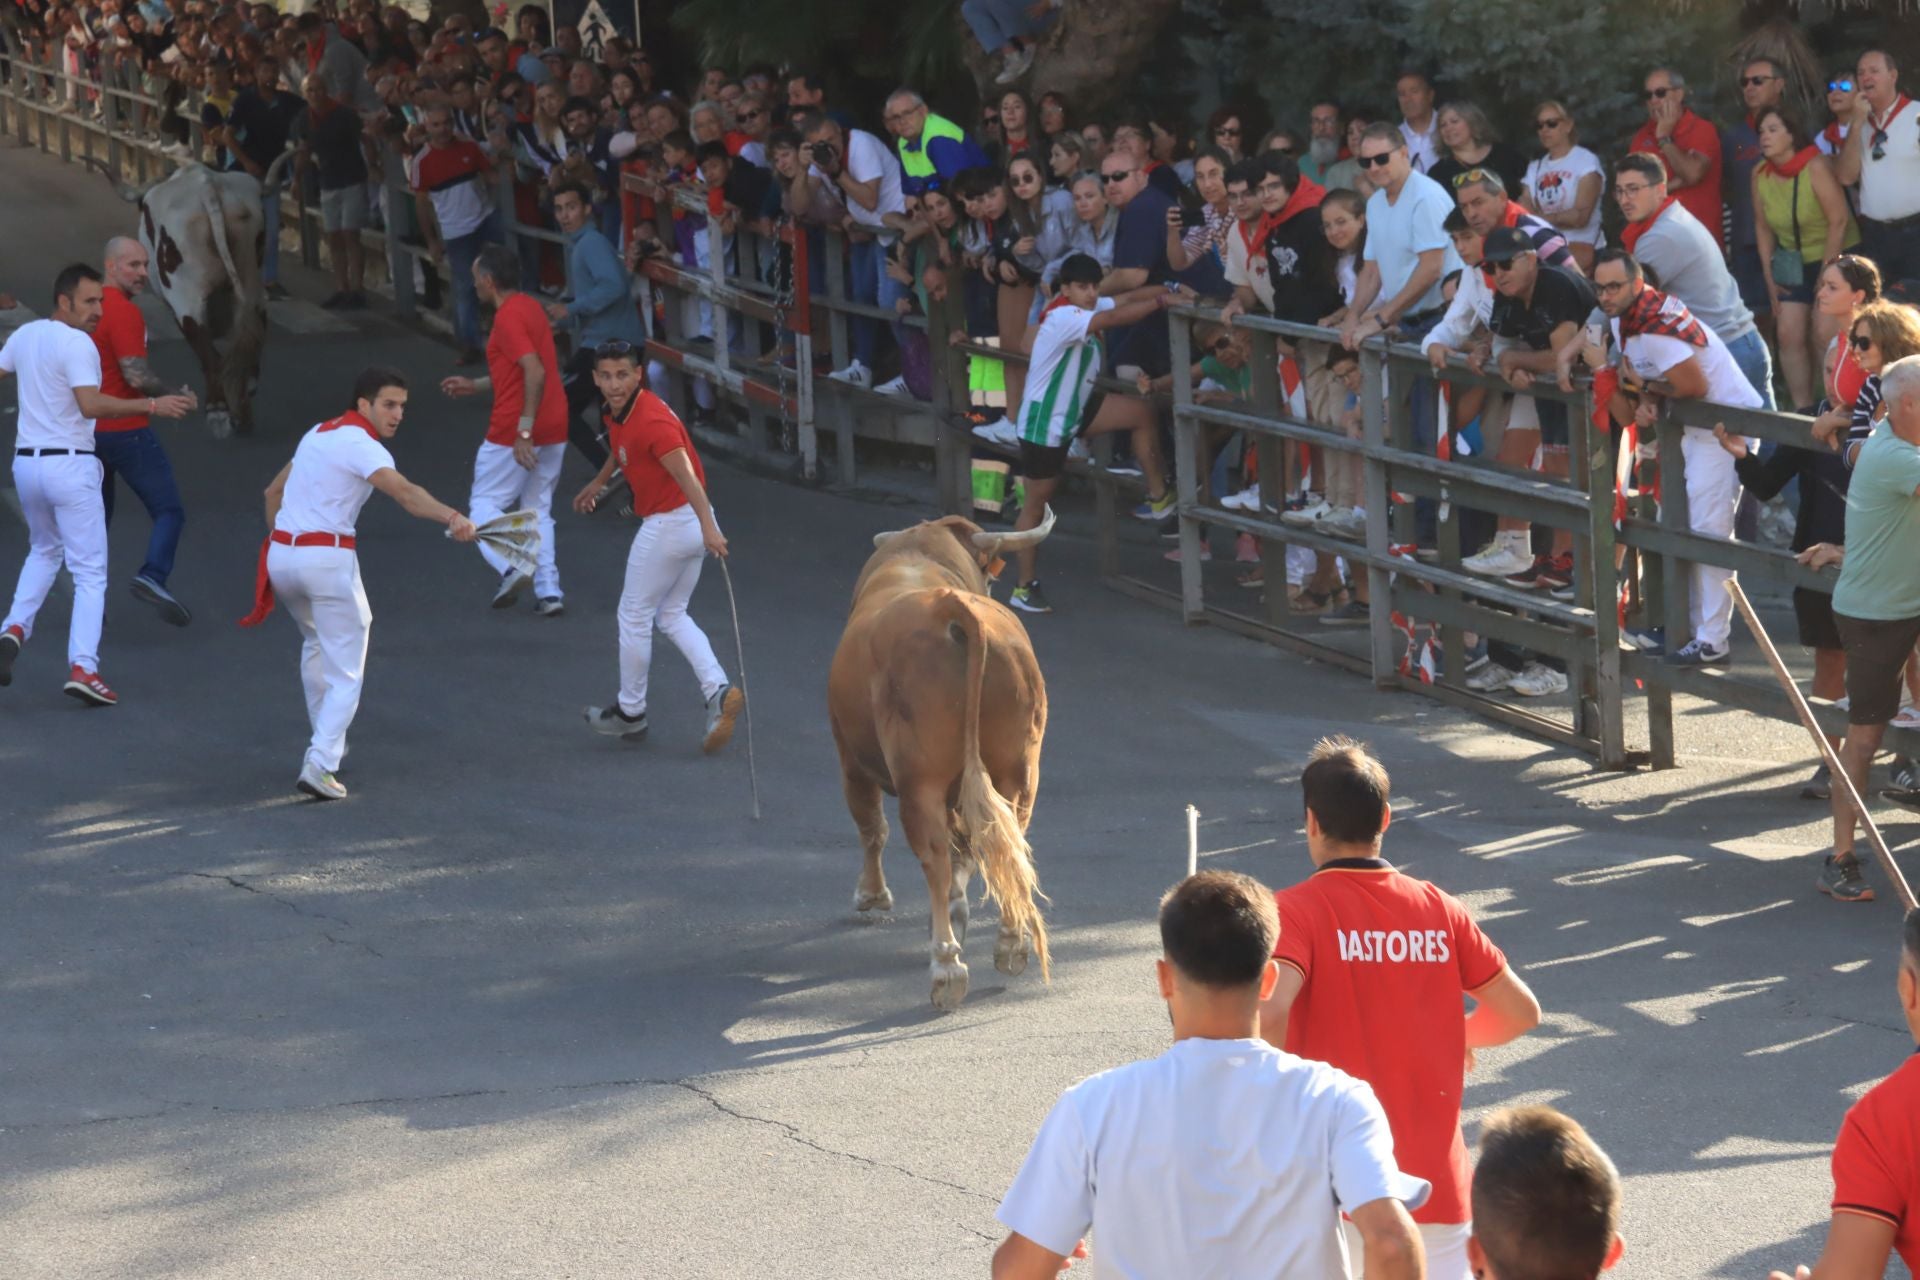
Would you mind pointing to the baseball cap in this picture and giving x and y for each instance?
(490, 33)
(1504, 244)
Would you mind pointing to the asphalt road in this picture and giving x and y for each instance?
(533, 1003)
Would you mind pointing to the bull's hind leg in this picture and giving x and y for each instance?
(869, 811)
(924, 817)
(1011, 948)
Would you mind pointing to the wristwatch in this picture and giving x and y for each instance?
(526, 433)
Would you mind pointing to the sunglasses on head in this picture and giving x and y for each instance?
(1651, 94)
(619, 349)
(1861, 342)
(1470, 176)
(1839, 86)
(1369, 162)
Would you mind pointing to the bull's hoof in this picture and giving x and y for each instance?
(1010, 954)
(949, 987)
(881, 901)
(220, 422)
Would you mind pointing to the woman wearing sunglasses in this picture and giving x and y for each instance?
(1564, 185)
(1840, 116)
(1801, 220)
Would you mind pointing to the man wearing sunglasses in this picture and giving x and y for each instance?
(1882, 154)
(1761, 84)
(1686, 144)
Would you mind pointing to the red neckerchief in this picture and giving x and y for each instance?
(1834, 133)
(1257, 242)
(1631, 233)
(351, 418)
(1663, 314)
(1899, 105)
(1791, 168)
(1307, 195)
(316, 50)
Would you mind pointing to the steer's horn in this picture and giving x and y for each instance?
(882, 539)
(130, 194)
(996, 543)
(270, 183)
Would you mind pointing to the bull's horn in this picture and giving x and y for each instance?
(882, 539)
(271, 181)
(131, 194)
(996, 543)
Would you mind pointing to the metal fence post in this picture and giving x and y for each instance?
(1677, 574)
(1373, 419)
(399, 209)
(1192, 591)
(1263, 385)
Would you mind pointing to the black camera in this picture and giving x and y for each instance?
(1191, 218)
(822, 153)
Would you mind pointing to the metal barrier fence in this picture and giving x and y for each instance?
(1650, 551)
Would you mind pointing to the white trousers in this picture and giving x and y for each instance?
(1446, 1247)
(320, 588)
(501, 485)
(66, 523)
(1713, 492)
(662, 570)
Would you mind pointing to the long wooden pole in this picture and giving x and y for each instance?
(1827, 753)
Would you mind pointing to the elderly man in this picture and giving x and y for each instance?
(1882, 154)
(1326, 141)
(1876, 603)
(1661, 340)
(1686, 144)
(933, 149)
(1662, 233)
(855, 165)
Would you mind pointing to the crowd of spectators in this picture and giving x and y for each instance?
(1752, 263)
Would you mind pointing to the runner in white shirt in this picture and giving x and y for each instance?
(1661, 340)
(309, 559)
(1060, 402)
(58, 475)
(1223, 1156)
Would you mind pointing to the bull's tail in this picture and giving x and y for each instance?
(217, 224)
(987, 821)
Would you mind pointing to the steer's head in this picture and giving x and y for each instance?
(974, 555)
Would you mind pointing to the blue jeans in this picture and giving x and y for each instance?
(270, 260)
(870, 284)
(136, 457)
(997, 23)
(1750, 353)
(461, 251)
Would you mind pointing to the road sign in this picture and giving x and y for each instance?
(598, 21)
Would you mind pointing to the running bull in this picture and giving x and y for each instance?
(936, 698)
(204, 233)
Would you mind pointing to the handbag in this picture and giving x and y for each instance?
(1789, 268)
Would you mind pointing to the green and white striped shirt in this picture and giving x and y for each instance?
(1060, 375)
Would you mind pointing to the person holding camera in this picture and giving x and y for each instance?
(863, 172)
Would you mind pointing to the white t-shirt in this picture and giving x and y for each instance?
(1060, 374)
(868, 158)
(1472, 306)
(1651, 354)
(328, 484)
(1555, 187)
(1423, 148)
(1890, 186)
(1246, 268)
(50, 358)
(1399, 231)
(1220, 1158)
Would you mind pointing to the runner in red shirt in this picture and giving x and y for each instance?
(650, 445)
(1876, 1159)
(127, 447)
(1372, 967)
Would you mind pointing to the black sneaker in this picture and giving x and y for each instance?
(1840, 879)
(1351, 614)
(170, 609)
(10, 641)
(1819, 786)
(277, 292)
(338, 300)
(615, 723)
(1030, 599)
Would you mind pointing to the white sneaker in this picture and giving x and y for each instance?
(1078, 451)
(895, 387)
(1345, 522)
(1247, 499)
(854, 375)
(1016, 65)
(1537, 681)
(1507, 554)
(1310, 515)
(999, 431)
(1491, 678)
(318, 783)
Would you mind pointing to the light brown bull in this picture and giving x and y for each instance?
(936, 698)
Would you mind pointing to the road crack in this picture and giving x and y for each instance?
(288, 903)
(793, 1134)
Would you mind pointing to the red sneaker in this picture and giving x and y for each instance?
(90, 688)
(11, 641)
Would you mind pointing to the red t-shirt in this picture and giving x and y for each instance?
(1386, 958)
(1876, 1159)
(649, 432)
(520, 328)
(121, 333)
(1702, 198)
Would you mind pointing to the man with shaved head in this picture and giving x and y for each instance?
(128, 447)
